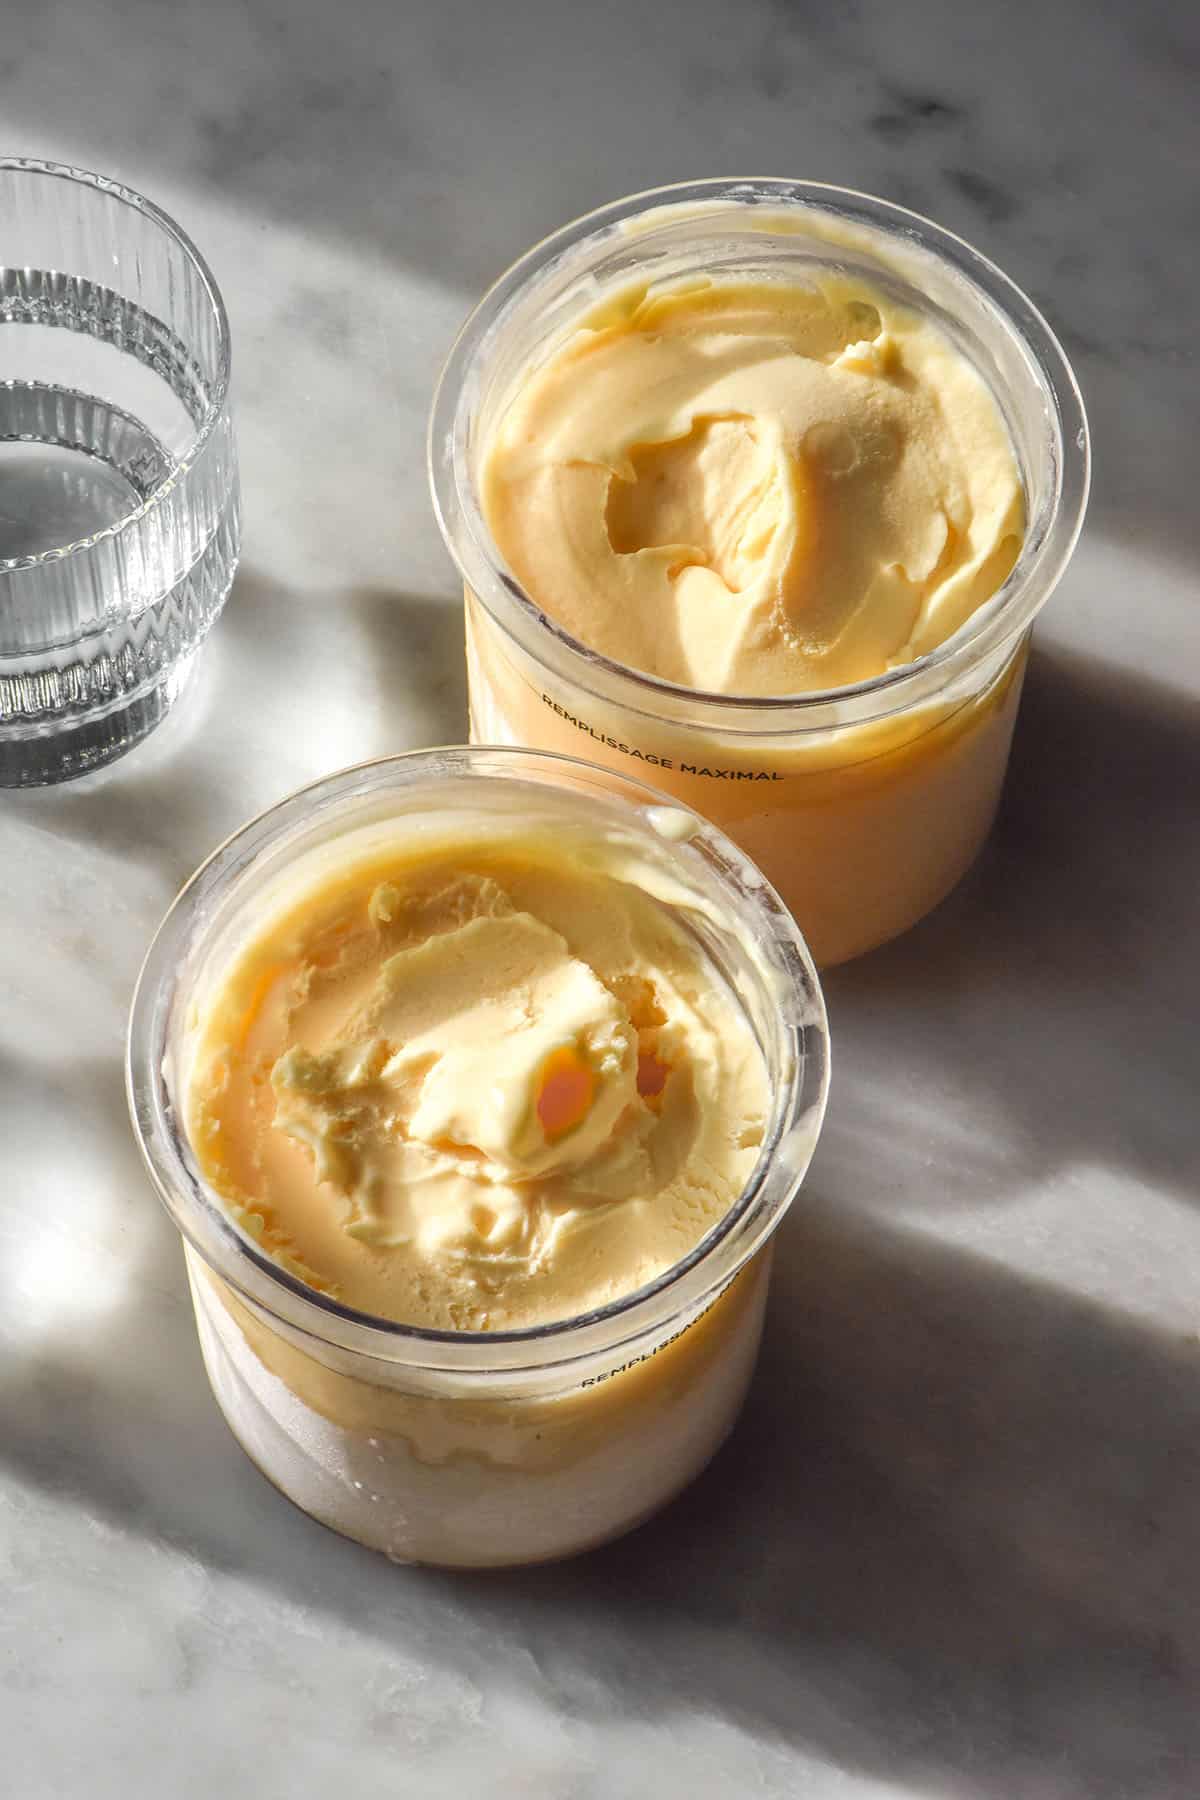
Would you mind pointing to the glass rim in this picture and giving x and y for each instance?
(217, 401)
(1049, 540)
(797, 1112)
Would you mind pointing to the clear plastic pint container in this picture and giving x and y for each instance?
(485, 1447)
(863, 805)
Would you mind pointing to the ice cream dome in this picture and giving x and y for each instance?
(475, 1084)
(755, 488)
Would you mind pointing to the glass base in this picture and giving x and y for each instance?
(71, 715)
(39, 759)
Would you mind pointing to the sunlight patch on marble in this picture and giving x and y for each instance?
(1099, 1232)
(57, 1284)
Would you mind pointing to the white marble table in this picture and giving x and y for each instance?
(954, 1548)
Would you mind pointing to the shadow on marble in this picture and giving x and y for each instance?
(391, 675)
(422, 641)
(1087, 890)
(954, 1541)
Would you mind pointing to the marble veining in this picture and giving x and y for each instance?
(952, 1550)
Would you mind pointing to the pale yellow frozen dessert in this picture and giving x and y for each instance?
(476, 1086)
(758, 490)
(755, 489)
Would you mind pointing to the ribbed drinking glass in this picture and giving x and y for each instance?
(119, 509)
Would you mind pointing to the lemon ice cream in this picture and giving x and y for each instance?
(756, 489)
(471, 1089)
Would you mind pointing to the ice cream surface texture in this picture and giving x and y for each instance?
(755, 488)
(475, 1085)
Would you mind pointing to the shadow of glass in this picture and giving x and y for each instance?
(245, 731)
